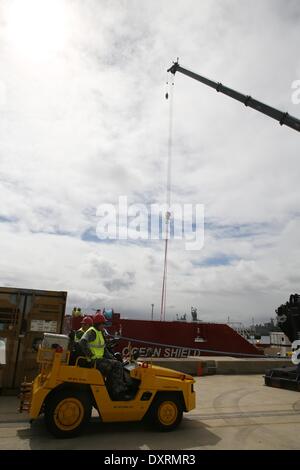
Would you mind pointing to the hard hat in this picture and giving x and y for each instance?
(87, 321)
(99, 318)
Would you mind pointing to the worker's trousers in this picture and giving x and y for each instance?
(113, 371)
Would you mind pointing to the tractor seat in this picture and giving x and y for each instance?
(82, 362)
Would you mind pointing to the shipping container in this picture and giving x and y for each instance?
(25, 314)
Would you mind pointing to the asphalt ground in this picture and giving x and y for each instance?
(232, 412)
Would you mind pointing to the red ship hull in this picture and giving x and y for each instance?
(177, 338)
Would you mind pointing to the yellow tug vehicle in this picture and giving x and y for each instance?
(66, 394)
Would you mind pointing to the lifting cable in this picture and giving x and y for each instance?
(169, 97)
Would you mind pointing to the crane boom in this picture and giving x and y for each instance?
(283, 118)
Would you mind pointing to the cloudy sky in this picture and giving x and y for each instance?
(83, 120)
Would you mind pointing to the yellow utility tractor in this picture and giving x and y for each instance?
(66, 394)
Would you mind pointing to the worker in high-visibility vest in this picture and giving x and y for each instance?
(86, 323)
(92, 344)
(76, 312)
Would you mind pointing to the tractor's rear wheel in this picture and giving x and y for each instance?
(67, 412)
(166, 412)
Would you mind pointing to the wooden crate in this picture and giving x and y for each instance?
(24, 316)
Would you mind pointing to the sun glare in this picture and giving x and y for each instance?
(36, 28)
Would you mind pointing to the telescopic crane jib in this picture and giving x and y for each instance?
(283, 118)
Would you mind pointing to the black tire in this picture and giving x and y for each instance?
(67, 412)
(166, 412)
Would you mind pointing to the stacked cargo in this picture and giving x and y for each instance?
(25, 314)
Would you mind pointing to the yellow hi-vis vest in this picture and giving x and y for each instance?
(97, 346)
(78, 334)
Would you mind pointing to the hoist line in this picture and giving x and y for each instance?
(170, 147)
(168, 201)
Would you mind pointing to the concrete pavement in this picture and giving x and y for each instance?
(233, 412)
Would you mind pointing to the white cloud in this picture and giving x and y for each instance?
(88, 122)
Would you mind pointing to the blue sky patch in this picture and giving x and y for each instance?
(218, 260)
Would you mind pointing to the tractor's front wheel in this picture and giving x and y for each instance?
(166, 412)
(67, 412)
